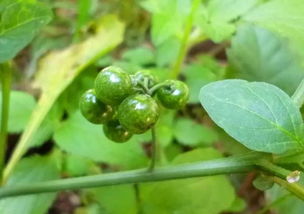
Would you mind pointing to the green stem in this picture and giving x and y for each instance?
(184, 43)
(152, 90)
(239, 164)
(273, 169)
(138, 201)
(280, 175)
(6, 76)
(295, 188)
(298, 96)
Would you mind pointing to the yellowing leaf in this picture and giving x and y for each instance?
(59, 68)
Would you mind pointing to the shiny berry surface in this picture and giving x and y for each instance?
(114, 131)
(138, 113)
(93, 109)
(174, 94)
(113, 85)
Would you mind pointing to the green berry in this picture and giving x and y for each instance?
(174, 94)
(93, 109)
(138, 113)
(113, 85)
(140, 76)
(114, 131)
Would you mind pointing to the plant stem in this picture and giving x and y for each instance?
(295, 188)
(6, 76)
(152, 90)
(273, 169)
(280, 175)
(138, 201)
(184, 43)
(238, 164)
(298, 96)
(155, 152)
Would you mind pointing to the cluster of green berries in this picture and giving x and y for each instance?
(125, 104)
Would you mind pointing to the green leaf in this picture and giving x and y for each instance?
(285, 17)
(108, 198)
(218, 18)
(75, 165)
(20, 109)
(168, 18)
(197, 76)
(164, 132)
(262, 183)
(257, 54)
(20, 22)
(93, 208)
(28, 171)
(259, 115)
(54, 79)
(79, 137)
(192, 195)
(167, 52)
(287, 202)
(237, 206)
(139, 56)
(190, 133)
(48, 126)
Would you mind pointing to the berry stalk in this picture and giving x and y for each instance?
(6, 76)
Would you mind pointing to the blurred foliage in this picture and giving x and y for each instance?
(254, 40)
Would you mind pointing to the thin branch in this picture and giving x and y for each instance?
(185, 40)
(239, 164)
(6, 76)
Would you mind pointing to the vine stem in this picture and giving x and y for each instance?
(273, 169)
(294, 188)
(184, 43)
(280, 175)
(238, 164)
(298, 96)
(6, 78)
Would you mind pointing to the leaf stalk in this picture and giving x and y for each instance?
(6, 79)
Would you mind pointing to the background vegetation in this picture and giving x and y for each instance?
(59, 46)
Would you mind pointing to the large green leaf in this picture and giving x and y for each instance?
(20, 109)
(285, 17)
(208, 195)
(20, 22)
(257, 54)
(57, 71)
(259, 115)
(190, 133)
(28, 171)
(79, 137)
(116, 199)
